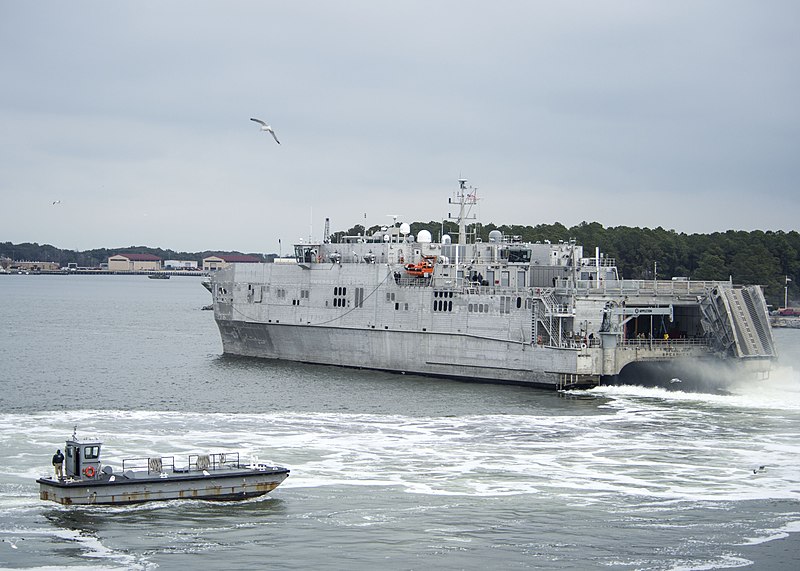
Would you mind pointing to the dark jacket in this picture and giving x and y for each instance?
(58, 458)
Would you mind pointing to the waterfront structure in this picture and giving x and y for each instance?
(28, 266)
(181, 265)
(133, 263)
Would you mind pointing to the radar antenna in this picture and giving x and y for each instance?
(466, 198)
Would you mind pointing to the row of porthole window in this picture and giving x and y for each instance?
(340, 290)
(442, 293)
(478, 307)
(441, 305)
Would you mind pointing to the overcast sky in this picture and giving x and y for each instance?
(135, 115)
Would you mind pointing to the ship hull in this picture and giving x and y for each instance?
(463, 357)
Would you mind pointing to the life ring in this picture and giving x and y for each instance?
(89, 471)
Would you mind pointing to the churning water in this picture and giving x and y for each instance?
(391, 471)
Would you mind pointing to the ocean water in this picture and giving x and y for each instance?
(388, 471)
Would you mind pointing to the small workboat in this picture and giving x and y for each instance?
(218, 476)
(158, 276)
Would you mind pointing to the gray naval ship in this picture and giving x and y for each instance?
(541, 314)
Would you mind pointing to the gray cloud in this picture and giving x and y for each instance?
(627, 113)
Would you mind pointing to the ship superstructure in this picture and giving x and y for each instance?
(543, 314)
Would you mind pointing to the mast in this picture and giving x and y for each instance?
(466, 198)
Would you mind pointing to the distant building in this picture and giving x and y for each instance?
(133, 263)
(34, 266)
(222, 260)
(180, 265)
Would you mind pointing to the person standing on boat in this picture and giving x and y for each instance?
(58, 461)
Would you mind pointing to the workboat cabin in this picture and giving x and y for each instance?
(84, 480)
(82, 459)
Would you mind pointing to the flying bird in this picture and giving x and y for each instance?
(265, 127)
(56, 202)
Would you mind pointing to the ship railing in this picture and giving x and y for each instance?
(578, 342)
(404, 281)
(639, 287)
(602, 262)
(661, 343)
(567, 287)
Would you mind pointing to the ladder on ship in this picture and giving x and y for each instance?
(546, 325)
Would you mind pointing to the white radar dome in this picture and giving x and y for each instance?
(446, 239)
(405, 228)
(424, 237)
(495, 236)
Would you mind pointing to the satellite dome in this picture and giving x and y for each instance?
(495, 236)
(424, 237)
(446, 239)
(405, 228)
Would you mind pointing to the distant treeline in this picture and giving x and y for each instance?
(93, 258)
(757, 257)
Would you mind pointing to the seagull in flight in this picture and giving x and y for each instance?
(56, 202)
(265, 127)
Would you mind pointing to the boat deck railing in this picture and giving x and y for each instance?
(213, 461)
(156, 464)
(197, 462)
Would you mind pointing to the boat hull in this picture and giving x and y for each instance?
(233, 485)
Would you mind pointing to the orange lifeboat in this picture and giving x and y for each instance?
(422, 268)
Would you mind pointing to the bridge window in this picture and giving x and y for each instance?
(516, 255)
